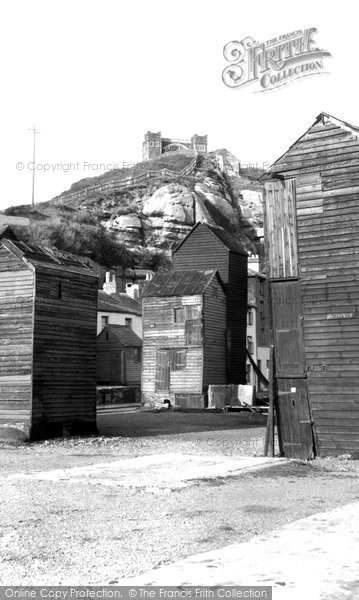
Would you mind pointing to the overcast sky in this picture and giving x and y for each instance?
(95, 76)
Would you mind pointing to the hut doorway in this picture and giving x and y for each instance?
(163, 370)
(294, 418)
(117, 359)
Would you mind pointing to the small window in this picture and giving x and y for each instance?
(137, 355)
(250, 345)
(261, 287)
(193, 332)
(128, 323)
(179, 315)
(104, 322)
(261, 309)
(250, 317)
(152, 144)
(248, 373)
(178, 359)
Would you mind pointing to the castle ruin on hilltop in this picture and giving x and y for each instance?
(154, 144)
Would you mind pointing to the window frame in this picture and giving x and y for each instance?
(182, 310)
(106, 322)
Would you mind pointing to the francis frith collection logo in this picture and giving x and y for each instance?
(272, 64)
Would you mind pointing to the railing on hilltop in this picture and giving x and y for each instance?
(130, 181)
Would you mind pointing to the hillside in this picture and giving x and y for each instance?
(148, 209)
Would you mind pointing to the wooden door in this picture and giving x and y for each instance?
(294, 418)
(281, 228)
(288, 328)
(162, 370)
(117, 367)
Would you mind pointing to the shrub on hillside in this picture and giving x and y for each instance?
(81, 235)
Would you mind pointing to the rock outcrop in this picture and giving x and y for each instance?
(155, 205)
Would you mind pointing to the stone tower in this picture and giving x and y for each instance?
(152, 146)
(199, 143)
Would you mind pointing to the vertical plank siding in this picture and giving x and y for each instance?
(132, 368)
(281, 228)
(125, 371)
(325, 165)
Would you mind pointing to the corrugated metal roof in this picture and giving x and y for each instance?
(121, 303)
(227, 239)
(122, 334)
(179, 283)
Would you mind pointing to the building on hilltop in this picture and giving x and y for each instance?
(154, 144)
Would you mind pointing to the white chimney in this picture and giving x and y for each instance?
(253, 262)
(112, 283)
(133, 290)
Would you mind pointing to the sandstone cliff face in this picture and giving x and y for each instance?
(158, 211)
(161, 213)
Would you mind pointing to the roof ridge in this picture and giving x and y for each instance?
(340, 123)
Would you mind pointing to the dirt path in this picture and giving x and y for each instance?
(98, 524)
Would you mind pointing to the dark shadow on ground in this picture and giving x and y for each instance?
(143, 423)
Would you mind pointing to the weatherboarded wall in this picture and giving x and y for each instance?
(165, 372)
(214, 312)
(16, 326)
(322, 168)
(48, 310)
(203, 250)
(64, 361)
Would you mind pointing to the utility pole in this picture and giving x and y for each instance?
(34, 132)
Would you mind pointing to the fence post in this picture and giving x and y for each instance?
(269, 439)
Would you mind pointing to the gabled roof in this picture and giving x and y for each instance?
(227, 239)
(122, 334)
(47, 257)
(7, 232)
(120, 303)
(322, 119)
(179, 283)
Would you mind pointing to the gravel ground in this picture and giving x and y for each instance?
(61, 532)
